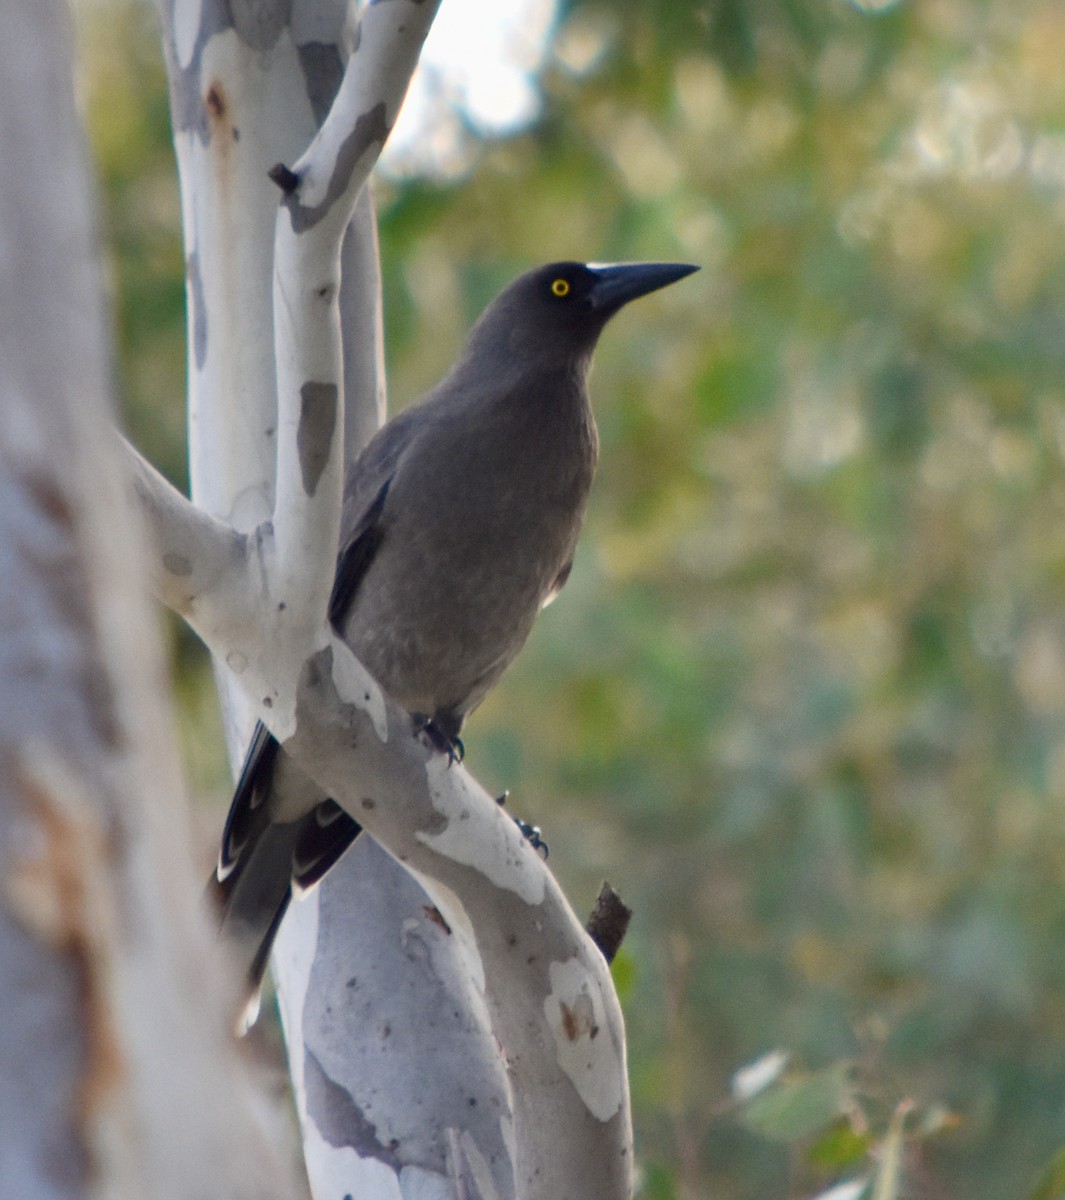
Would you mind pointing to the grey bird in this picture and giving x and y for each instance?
(460, 522)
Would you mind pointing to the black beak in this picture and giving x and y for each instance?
(618, 283)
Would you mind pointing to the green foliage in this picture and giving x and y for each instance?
(794, 1109)
(1051, 1184)
(129, 123)
(623, 972)
(803, 699)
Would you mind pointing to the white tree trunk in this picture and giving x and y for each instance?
(117, 1078)
(468, 1045)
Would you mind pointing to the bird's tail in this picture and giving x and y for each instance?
(251, 901)
(281, 836)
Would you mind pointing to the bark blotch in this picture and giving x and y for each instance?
(177, 564)
(370, 129)
(317, 693)
(59, 891)
(215, 101)
(317, 427)
(194, 284)
(323, 69)
(217, 107)
(436, 917)
(578, 1019)
(569, 1023)
(317, 669)
(339, 1119)
(187, 111)
(50, 500)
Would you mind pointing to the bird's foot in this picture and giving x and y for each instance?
(531, 833)
(438, 739)
(533, 836)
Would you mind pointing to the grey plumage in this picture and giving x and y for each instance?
(460, 522)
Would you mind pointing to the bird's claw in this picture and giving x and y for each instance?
(531, 833)
(438, 739)
(533, 836)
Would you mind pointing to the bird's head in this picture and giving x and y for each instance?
(559, 310)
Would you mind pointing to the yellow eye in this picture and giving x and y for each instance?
(560, 288)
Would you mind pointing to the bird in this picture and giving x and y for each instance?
(459, 523)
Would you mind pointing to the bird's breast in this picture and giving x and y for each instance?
(477, 531)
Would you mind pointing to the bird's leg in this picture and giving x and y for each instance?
(533, 836)
(531, 833)
(438, 739)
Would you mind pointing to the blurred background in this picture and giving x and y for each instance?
(803, 699)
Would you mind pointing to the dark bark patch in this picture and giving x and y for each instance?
(216, 105)
(215, 102)
(570, 1026)
(177, 564)
(314, 437)
(187, 109)
(323, 70)
(579, 1019)
(52, 502)
(339, 1119)
(199, 310)
(436, 916)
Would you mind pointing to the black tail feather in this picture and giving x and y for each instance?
(264, 859)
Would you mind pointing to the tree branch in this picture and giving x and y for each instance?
(609, 922)
(316, 211)
(194, 554)
(547, 988)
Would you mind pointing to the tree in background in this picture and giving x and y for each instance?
(119, 1077)
(806, 682)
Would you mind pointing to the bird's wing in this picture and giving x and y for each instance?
(362, 526)
(559, 584)
(247, 798)
(356, 555)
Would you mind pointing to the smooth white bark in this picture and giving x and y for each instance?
(116, 1076)
(195, 554)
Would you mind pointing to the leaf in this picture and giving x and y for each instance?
(798, 1107)
(840, 1147)
(756, 1076)
(1051, 1185)
(658, 1183)
(623, 972)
